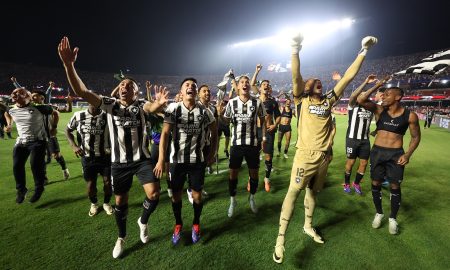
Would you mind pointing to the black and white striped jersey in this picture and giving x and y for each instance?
(92, 133)
(213, 110)
(358, 123)
(31, 122)
(127, 127)
(244, 117)
(188, 131)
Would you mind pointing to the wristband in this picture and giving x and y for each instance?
(363, 51)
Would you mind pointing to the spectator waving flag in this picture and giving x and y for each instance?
(433, 64)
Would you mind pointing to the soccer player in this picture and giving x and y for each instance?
(285, 127)
(129, 152)
(53, 149)
(3, 108)
(429, 115)
(314, 140)
(273, 117)
(387, 158)
(243, 112)
(32, 140)
(357, 143)
(188, 121)
(94, 149)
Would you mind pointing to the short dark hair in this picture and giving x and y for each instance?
(188, 79)
(203, 85)
(131, 79)
(381, 89)
(397, 89)
(265, 81)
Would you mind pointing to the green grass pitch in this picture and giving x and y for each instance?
(57, 233)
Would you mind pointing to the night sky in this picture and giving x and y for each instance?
(190, 37)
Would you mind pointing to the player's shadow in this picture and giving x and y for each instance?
(242, 218)
(60, 202)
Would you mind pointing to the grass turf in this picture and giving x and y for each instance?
(56, 232)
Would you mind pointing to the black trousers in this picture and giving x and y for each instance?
(21, 153)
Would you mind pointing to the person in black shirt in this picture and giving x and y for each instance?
(387, 158)
(129, 152)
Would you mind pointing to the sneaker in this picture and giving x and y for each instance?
(278, 254)
(347, 188)
(312, 233)
(36, 196)
(189, 193)
(393, 226)
(227, 153)
(233, 204)
(143, 231)
(385, 183)
(376, 223)
(118, 248)
(169, 192)
(357, 188)
(210, 170)
(251, 200)
(267, 184)
(109, 210)
(93, 210)
(285, 156)
(195, 233)
(66, 174)
(21, 196)
(204, 193)
(176, 236)
(260, 158)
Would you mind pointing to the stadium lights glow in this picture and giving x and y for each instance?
(311, 31)
(444, 81)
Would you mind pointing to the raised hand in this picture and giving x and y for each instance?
(371, 78)
(296, 42)
(161, 94)
(258, 67)
(13, 79)
(336, 76)
(67, 55)
(368, 42)
(51, 84)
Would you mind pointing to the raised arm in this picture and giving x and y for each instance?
(414, 130)
(366, 103)
(253, 82)
(68, 57)
(297, 81)
(15, 83)
(69, 102)
(161, 99)
(354, 68)
(357, 92)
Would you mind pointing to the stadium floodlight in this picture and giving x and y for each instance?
(444, 81)
(311, 31)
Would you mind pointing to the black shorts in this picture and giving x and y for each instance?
(225, 129)
(96, 165)
(53, 145)
(357, 148)
(284, 128)
(122, 175)
(179, 173)
(239, 152)
(383, 164)
(270, 140)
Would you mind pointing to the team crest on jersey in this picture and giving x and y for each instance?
(200, 117)
(102, 122)
(134, 110)
(31, 111)
(252, 108)
(108, 101)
